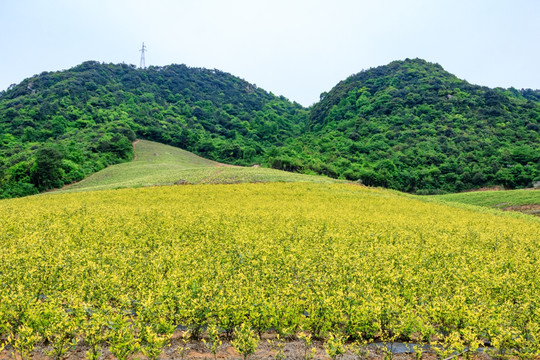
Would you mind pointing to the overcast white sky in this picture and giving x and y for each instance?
(295, 48)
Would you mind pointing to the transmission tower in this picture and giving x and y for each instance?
(143, 64)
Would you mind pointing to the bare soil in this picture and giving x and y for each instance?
(134, 152)
(196, 350)
(533, 209)
(489, 188)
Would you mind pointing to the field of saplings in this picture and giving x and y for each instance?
(123, 270)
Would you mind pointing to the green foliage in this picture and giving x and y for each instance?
(408, 125)
(414, 127)
(92, 113)
(47, 171)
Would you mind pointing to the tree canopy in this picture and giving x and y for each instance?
(408, 125)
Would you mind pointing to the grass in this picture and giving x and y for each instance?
(157, 164)
(501, 198)
(525, 200)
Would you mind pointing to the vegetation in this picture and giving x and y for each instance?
(88, 116)
(408, 125)
(495, 198)
(414, 127)
(158, 164)
(122, 269)
(525, 200)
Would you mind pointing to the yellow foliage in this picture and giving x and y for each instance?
(293, 257)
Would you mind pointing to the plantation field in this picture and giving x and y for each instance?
(121, 269)
(159, 164)
(526, 200)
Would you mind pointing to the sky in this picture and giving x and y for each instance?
(294, 48)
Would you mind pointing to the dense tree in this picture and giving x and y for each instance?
(47, 172)
(412, 126)
(408, 125)
(93, 112)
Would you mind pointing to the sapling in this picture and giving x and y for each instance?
(277, 345)
(154, 344)
(214, 342)
(25, 341)
(122, 340)
(62, 334)
(418, 351)
(154, 335)
(451, 345)
(502, 341)
(334, 346)
(309, 349)
(94, 336)
(182, 349)
(471, 340)
(388, 340)
(245, 340)
(359, 349)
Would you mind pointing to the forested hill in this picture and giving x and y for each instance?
(58, 127)
(408, 125)
(412, 126)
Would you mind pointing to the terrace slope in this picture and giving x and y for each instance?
(159, 164)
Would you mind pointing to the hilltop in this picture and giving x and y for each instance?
(412, 126)
(57, 128)
(409, 125)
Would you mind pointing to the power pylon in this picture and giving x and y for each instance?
(143, 64)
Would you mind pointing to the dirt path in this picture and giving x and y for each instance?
(218, 164)
(134, 152)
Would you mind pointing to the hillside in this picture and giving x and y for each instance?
(159, 164)
(124, 269)
(524, 200)
(412, 126)
(57, 128)
(408, 125)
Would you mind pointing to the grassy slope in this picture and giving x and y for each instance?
(495, 198)
(158, 164)
(518, 200)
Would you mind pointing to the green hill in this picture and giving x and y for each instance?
(158, 164)
(412, 126)
(408, 125)
(57, 128)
